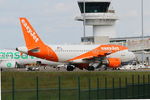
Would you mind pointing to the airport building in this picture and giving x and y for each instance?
(100, 15)
(133, 43)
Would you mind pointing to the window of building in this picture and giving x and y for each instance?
(94, 7)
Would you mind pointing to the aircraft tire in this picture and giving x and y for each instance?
(91, 68)
(105, 68)
(70, 68)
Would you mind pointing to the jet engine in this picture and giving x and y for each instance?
(8, 64)
(112, 62)
(105, 63)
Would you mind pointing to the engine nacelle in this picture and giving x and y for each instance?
(114, 62)
(8, 64)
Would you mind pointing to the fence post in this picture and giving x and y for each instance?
(78, 88)
(37, 88)
(113, 88)
(97, 88)
(143, 86)
(132, 86)
(59, 87)
(138, 86)
(89, 81)
(105, 88)
(148, 79)
(126, 82)
(149, 83)
(120, 88)
(13, 88)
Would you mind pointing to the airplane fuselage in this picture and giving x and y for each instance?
(67, 52)
(76, 53)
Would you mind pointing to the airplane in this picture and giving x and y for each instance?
(88, 57)
(14, 59)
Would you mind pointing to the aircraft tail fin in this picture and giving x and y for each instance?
(31, 38)
(34, 45)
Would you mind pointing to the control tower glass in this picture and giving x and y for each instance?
(94, 7)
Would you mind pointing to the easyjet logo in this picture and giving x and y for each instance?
(110, 48)
(33, 34)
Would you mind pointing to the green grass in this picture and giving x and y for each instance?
(24, 80)
(69, 80)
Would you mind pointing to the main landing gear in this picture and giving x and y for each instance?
(91, 68)
(70, 67)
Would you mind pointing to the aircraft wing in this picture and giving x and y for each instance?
(89, 57)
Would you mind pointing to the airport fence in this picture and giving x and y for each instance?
(138, 87)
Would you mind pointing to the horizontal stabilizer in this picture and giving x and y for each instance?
(35, 50)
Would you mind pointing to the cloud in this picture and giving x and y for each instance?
(61, 7)
(1, 1)
(7, 20)
(55, 18)
(131, 14)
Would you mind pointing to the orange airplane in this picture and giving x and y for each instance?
(87, 57)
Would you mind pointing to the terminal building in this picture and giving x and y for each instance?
(100, 15)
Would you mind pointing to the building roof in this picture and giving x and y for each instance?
(125, 38)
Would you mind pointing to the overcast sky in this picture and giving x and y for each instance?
(54, 20)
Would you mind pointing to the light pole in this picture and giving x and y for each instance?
(84, 19)
(142, 31)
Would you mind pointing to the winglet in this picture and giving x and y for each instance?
(31, 38)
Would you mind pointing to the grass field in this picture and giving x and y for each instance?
(68, 80)
(24, 80)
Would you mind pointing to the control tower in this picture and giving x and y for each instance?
(100, 15)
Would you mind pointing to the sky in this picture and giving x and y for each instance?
(54, 20)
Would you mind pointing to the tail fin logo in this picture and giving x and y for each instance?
(29, 30)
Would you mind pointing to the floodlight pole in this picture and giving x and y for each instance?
(84, 18)
(142, 31)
